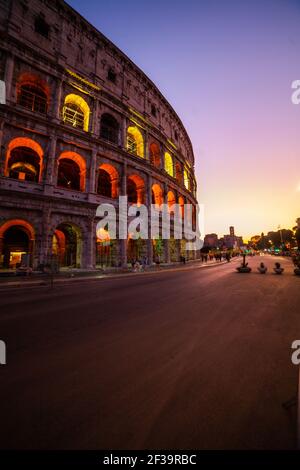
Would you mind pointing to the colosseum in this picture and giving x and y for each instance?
(80, 124)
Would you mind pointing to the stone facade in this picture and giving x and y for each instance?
(81, 125)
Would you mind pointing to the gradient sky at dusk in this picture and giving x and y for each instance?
(227, 69)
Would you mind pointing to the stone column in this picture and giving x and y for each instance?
(57, 100)
(148, 202)
(123, 242)
(146, 146)
(43, 242)
(124, 132)
(166, 242)
(2, 150)
(89, 252)
(50, 164)
(96, 120)
(8, 77)
(91, 183)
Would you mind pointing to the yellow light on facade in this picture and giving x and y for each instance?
(76, 100)
(135, 141)
(186, 179)
(83, 80)
(169, 164)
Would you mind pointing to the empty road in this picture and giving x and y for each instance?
(189, 359)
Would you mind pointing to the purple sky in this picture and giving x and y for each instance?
(227, 69)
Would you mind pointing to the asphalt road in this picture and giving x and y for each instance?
(194, 359)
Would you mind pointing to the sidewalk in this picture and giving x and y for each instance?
(77, 275)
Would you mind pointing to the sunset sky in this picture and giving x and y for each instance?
(227, 69)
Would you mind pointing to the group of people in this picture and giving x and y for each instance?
(217, 256)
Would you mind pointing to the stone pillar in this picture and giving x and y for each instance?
(91, 183)
(89, 252)
(50, 164)
(123, 242)
(163, 150)
(2, 150)
(57, 101)
(1, 251)
(124, 133)
(96, 120)
(146, 148)
(43, 242)
(8, 76)
(148, 202)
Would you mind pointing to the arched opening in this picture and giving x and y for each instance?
(16, 244)
(135, 141)
(108, 181)
(136, 250)
(181, 204)
(169, 164)
(171, 200)
(157, 195)
(109, 128)
(106, 250)
(33, 93)
(76, 112)
(186, 180)
(154, 154)
(24, 160)
(135, 189)
(71, 171)
(178, 173)
(67, 245)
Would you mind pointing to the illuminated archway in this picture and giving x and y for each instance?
(24, 159)
(154, 154)
(67, 245)
(135, 189)
(181, 204)
(171, 200)
(157, 195)
(169, 164)
(71, 171)
(108, 181)
(76, 112)
(135, 141)
(16, 243)
(106, 249)
(186, 179)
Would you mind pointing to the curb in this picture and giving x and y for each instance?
(100, 277)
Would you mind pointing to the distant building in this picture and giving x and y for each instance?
(211, 240)
(231, 240)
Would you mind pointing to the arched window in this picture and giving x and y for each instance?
(68, 174)
(32, 97)
(17, 238)
(181, 204)
(109, 128)
(24, 164)
(24, 160)
(135, 141)
(157, 195)
(154, 154)
(178, 172)
(108, 179)
(171, 201)
(135, 189)
(169, 164)
(186, 179)
(71, 171)
(76, 112)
